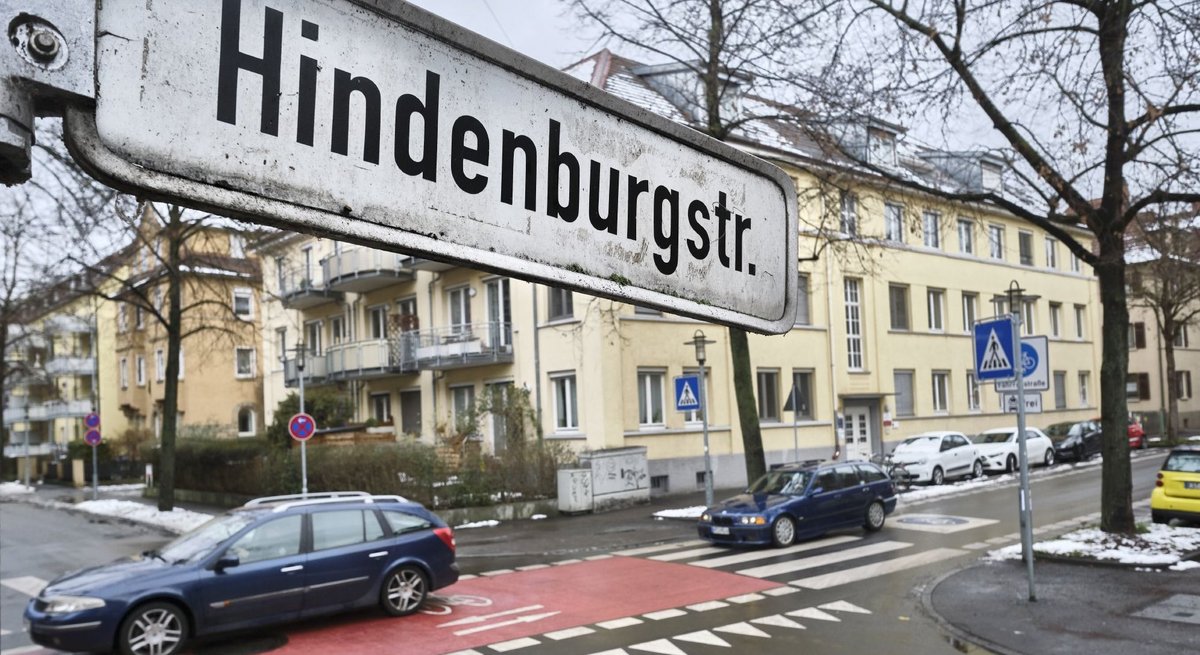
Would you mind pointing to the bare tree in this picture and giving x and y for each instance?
(1093, 103)
(1165, 278)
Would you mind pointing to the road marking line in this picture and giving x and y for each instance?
(26, 584)
(844, 606)
(645, 550)
(39, 649)
(530, 618)
(457, 652)
(814, 613)
(742, 558)
(996, 541)
(505, 646)
(779, 621)
(559, 635)
(977, 546)
(710, 605)
(880, 568)
(781, 591)
(823, 560)
(664, 614)
(620, 623)
(488, 574)
(742, 628)
(659, 646)
(687, 554)
(484, 617)
(745, 598)
(702, 637)
(614, 651)
(533, 567)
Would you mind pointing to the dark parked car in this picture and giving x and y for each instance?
(1075, 441)
(802, 500)
(275, 559)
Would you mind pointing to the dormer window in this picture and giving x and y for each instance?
(881, 146)
(991, 179)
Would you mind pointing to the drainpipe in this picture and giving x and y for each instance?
(833, 392)
(537, 361)
(433, 378)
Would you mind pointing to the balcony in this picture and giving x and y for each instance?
(64, 323)
(299, 289)
(71, 366)
(17, 449)
(360, 270)
(457, 346)
(314, 371)
(47, 411)
(420, 264)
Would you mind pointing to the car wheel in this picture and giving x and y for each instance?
(783, 532)
(937, 477)
(977, 470)
(1048, 460)
(875, 516)
(153, 629)
(404, 589)
(1155, 517)
(1010, 464)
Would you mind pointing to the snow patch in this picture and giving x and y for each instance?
(693, 512)
(478, 524)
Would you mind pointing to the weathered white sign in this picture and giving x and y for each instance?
(1033, 403)
(379, 123)
(1035, 366)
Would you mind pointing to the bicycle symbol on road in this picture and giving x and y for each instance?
(443, 605)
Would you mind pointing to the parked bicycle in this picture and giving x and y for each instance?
(895, 470)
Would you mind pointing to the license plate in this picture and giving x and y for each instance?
(1191, 485)
(720, 529)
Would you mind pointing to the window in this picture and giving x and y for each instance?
(237, 245)
(801, 395)
(1183, 385)
(344, 527)
(1084, 383)
(898, 301)
(1080, 317)
(854, 345)
(996, 241)
(460, 309)
(1025, 246)
(312, 338)
(903, 381)
(650, 398)
(381, 407)
(966, 236)
(123, 369)
(158, 300)
(1137, 336)
(406, 308)
(1051, 252)
(803, 317)
(281, 274)
(565, 413)
(932, 226)
(462, 400)
(402, 522)
(1028, 308)
(499, 312)
(122, 317)
(160, 366)
(1055, 319)
(768, 395)
(180, 362)
(937, 303)
(337, 330)
(893, 222)
(970, 310)
(139, 318)
(1074, 263)
(1060, 390)
(1137, 386)
(281, 345)
(377, 325)
(243, 362)
(1181, 336)
(561, 304)
(141, 371)
(246, 422)
(243, 304)
(941, 383)
(849, 218)
(277, 538)
(972, 391)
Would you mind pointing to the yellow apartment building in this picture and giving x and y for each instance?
(891, 282)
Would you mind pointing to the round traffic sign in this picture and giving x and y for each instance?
(92, 420)
(301, 427)
(92, 437)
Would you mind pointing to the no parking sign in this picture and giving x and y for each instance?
(301, 427)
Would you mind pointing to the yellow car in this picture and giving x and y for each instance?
(1176, 493)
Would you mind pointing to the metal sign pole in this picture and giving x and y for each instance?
(303, 444)
(95, 476)
(708, 482)
(1026, 511)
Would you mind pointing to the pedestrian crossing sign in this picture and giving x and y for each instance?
(687, 393)
(994, 349)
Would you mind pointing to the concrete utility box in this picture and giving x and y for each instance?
(620, 477)
(574, 490)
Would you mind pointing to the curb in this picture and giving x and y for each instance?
(959, 638)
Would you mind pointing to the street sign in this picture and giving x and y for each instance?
(379, 123)
(1033, 403)
(301, 427)
(92, 420)
(687, 393)
(92, 437)
(994, 349)
(1035, 360)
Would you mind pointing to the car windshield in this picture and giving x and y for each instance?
(992, 437)
(200, 542)
(920, 443)
(1183, 462)
(781, 482)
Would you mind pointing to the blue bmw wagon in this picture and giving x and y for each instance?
(798, 501)
(275, 559)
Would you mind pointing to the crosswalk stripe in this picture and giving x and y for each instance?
(778, 621)
(823, 560)
(754, 555)
(687, 554)
(664, 614)
(742, 628)
(702, 637)
(619, 623)
(646, 550)
(879, 568)
(26, 584)
(781, 591)
(745, 598)
(844, 606)
(710, 605)
(814, 613)
(569, 633)
(505, 646)
(660, 646)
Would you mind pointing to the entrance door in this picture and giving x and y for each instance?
(859, 437)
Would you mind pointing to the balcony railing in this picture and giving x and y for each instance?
(360, 270)
(15, 450)
(302, 288)
(71, 366)
(65, 323)
(47, 411)
(314, 371)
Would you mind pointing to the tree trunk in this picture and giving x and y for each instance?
(1116, 506)
(1171, 429)
(174, 328)
(743, 385)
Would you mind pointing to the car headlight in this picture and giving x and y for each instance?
(706, 517)
(68, 604)
(752, 520)
(920, 462)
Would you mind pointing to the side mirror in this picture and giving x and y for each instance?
(227, 561)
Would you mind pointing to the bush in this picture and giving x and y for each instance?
(327, 407)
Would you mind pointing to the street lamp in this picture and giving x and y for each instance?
(699, 342)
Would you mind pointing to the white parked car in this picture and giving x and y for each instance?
(934, 457)
(999, 448)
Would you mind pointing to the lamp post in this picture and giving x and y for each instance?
(301, 355)
(699, 342)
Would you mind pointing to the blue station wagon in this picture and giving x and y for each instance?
(799, 501)
(275, 559)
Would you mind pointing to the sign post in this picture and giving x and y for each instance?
(92, 438)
